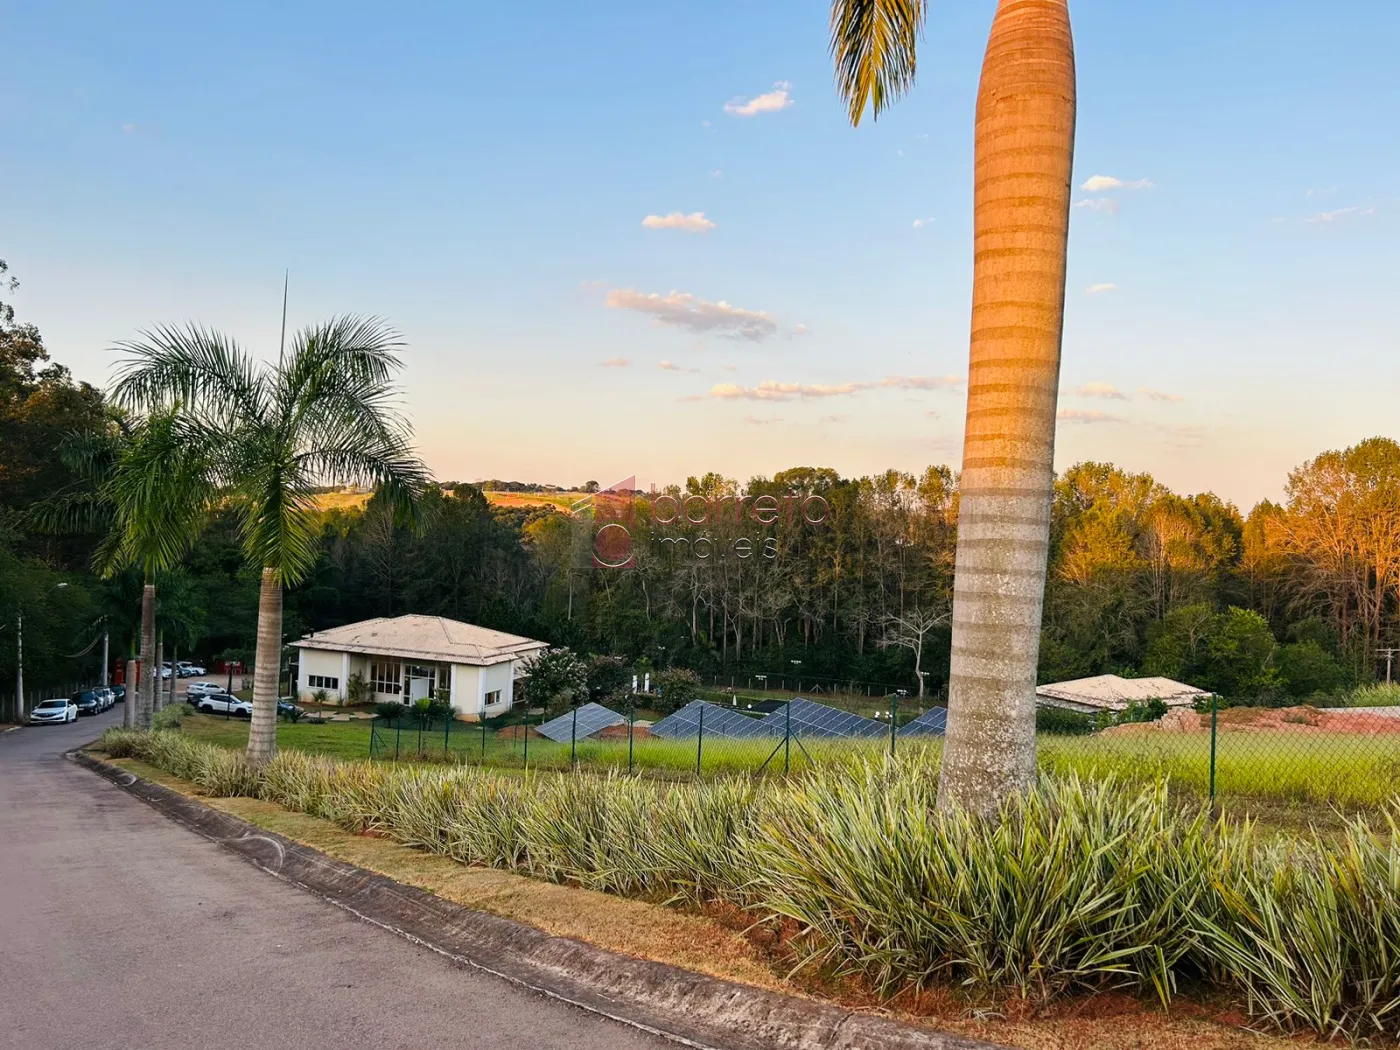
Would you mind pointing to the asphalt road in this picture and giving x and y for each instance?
(120, 929)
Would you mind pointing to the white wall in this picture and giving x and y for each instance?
(323, 663)
(499, 677)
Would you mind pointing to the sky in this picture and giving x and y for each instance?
(631, 238)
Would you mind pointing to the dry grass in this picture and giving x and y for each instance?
(723, 943)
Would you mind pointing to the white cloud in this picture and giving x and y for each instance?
(921, 223)
(1104, 204)
(671, 366)
(801, 329)
(731, 368)
(695, 222)
(616, 362)
(1099, 183)
(772, 390)
(755, 421)
(1339, 214)
(1087, 415)
(1159, 395)
(768, 102)
(717, 174)
(923, 382)
(704, 123)
(1099, 289)
(1104, 390)
(694, 314)
(129, 127)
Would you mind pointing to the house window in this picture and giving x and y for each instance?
(493, 697)
(385, 677)
(320, 681)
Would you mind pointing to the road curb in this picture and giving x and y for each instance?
(689, 1008)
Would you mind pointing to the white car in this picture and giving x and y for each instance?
(61, 710)
(223, 704)
(195, 689)
(189, 670)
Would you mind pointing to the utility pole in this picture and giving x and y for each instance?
(1389, 655)
(105, 656)
(19, 666)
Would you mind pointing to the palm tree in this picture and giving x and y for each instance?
(145, 486)
(1022, 173)
(325, 414)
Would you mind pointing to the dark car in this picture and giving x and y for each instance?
(87, 702)
(119, 693)
(287, 709)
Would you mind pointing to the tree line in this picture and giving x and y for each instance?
(1290, 600)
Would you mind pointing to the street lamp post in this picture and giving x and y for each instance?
(20, 712)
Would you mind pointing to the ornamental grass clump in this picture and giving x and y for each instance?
(1078, 886)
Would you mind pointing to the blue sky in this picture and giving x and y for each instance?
(480, 174)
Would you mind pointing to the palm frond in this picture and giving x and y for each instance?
(204, 371)
(874, 44)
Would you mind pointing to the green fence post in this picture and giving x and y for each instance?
(573, 739)
(631, 721)
(525, 736)
(483, 738)
(1213, 707)
(447, 734)
(894, 720)
(700, 741)
(398, 732)
(787, 738)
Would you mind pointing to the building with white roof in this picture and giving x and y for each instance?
(405, 658)
(1108, 692)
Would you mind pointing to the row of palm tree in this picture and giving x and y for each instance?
(203, 424)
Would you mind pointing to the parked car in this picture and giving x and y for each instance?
(198, 689)
(59, 710)
(224, 704)
(188, 670)
(106, 698)
(87, 702)
(287, 709)
(165, 671)
(119, 694)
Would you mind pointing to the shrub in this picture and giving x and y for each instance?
(357, 689)
(389, 710)
(1066, 723)
(321, 696)
(170, 717)
(675, 688)
(1380, 695)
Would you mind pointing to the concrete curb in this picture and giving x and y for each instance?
(686, 1007)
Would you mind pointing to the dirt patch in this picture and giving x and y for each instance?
(517, 733)
(1302, 718)
(620, 733)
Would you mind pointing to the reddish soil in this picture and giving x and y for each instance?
(1301, 719)
(620, 733)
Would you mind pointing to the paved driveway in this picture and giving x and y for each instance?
(120, 929)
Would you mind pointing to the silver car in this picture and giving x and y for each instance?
(60, 710)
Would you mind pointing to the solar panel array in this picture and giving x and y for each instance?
(933, 722)
(719, 721)
(591, 718)
(817, 720)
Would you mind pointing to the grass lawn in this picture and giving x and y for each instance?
(1307, 773)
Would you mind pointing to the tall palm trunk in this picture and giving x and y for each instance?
(1022, 171)
(150, 673)
(262, 734)
(129, 700)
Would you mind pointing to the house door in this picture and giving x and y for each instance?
(418, 688)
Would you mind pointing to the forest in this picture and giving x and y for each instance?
(1288, 600)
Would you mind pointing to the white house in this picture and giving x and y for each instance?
(405, 658)
(1109, 692)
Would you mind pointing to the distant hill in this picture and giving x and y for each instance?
(342, 500)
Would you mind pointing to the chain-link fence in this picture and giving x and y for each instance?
(1309, 760)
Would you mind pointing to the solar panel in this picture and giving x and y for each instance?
(719, 721)
(933, 722)
(591, 718)
(816, 720)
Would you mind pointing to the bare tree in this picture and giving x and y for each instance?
(908, 630)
